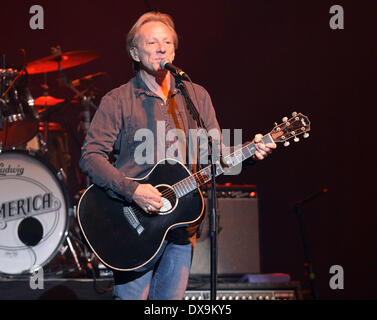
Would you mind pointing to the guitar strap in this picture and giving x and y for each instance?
(194, 121)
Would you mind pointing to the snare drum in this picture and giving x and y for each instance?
(34, 213)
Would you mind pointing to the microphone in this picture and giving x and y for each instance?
(167, 65)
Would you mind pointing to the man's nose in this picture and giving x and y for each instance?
(161, 47)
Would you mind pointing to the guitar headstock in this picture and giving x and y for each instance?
(291, 128)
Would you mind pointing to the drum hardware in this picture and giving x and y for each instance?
(4, 74)
(62, 175)
(47, 105)
(45, 102)
(2, 105)
(79, 268)
(20, 113)
(10, 72)
(52, 144)
(87, 79)
(85, 100)
(51, 134)
(42, 104)
(37, 145)
(19, 119)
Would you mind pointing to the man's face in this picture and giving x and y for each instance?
(154, 43)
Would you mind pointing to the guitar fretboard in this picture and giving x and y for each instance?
(204, 175)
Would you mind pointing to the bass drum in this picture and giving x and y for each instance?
(34, 213)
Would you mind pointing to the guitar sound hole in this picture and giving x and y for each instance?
(169, 198)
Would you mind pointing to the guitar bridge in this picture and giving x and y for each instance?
(133, 220)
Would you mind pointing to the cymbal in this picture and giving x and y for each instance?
(46, 101)
(66, 60)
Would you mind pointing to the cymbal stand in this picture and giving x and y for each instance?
(86, 102)
(63, 80)
(44, 139)
(2, 89)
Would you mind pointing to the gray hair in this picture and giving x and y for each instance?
(147, 17)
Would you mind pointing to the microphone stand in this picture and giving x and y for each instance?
(213, 223)
(308, 261)
(213, 217)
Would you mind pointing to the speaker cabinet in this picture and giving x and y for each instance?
(238, 240)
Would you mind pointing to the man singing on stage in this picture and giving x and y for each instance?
(148, 100)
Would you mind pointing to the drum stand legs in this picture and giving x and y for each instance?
(74, 254)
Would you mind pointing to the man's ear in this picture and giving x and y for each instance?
(134, 54)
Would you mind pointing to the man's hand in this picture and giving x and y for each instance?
(148, 198)
(263, 150)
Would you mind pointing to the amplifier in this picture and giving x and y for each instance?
(232, 190)
(238, 291)
(238, 234)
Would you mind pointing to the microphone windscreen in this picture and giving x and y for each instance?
(163, 63)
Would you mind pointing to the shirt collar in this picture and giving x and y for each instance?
(142, 88)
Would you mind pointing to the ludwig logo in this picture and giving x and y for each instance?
(11, 171)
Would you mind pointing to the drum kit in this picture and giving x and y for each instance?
(37, 220)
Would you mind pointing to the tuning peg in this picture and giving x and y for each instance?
(286, 143)
(285, 119)
(296, 139)
(294, 114)
(306, 135)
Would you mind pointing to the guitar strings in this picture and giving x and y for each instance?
(197, 178)
(168, 194)
(198, 175)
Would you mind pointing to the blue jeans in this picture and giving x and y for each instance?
(166, 280)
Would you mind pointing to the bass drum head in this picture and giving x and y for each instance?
(34, 209)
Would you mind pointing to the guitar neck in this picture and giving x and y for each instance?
(204, 175)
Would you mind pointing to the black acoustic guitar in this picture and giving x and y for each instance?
(125, 238)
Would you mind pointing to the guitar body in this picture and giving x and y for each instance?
(123, 236)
